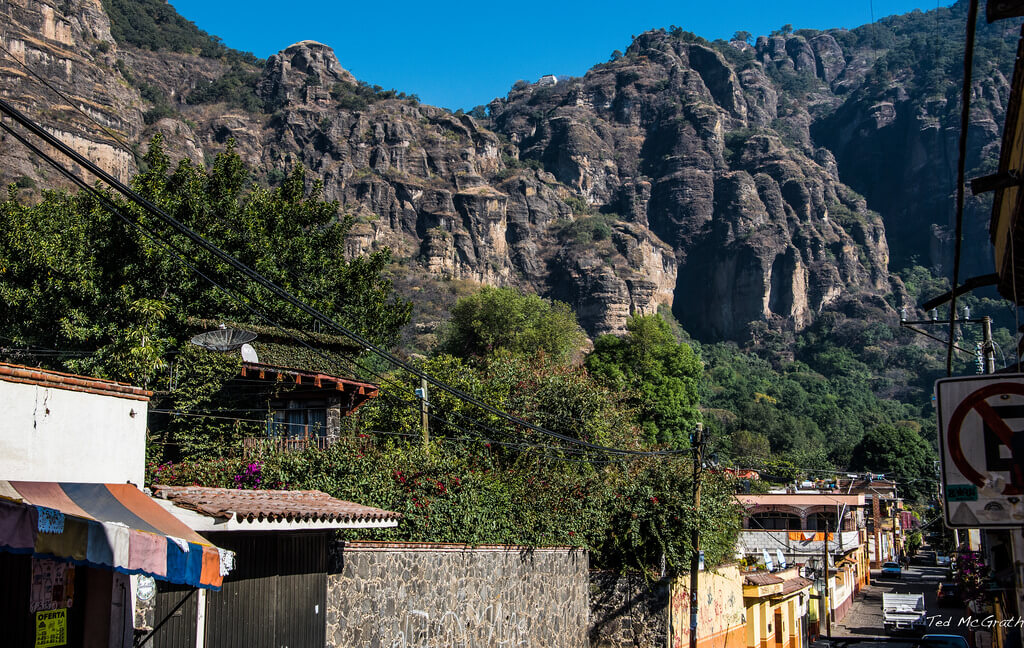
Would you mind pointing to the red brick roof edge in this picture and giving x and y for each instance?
(71, 382)
(273, 505)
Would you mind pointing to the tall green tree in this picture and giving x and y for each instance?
(503, 318)
(77, 279)
(658, 373)
(898, 452)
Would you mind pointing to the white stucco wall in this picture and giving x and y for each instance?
(53, 434)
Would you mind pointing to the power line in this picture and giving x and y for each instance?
(71, 102)
(965, 117)
(107, 204)
(290, 299)
(287, 269)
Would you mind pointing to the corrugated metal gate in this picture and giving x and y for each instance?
(275, 598)
(180, 628)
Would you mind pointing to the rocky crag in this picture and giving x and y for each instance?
(722, 180)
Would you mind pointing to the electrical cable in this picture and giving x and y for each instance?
(290, 299)
(287, 269)
(106, 203)
(124, 145)
(965, 115)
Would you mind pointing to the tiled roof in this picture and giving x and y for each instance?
(760, 579)
(274, 505)
(262, 371)
(70, 382)
(794, 585)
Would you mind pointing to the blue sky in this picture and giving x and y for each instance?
(459, 55)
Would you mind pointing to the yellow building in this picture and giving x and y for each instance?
(777, 609)
(720, 610)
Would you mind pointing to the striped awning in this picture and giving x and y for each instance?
(112, 526)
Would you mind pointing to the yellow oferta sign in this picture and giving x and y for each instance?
(51, 628)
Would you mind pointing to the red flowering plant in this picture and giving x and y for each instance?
(250, 477)
(972, 575)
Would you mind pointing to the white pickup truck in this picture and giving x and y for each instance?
(904, 612)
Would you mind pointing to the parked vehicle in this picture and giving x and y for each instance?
(892, 569)
(948, 595)
(903, 612)
(943, 641)
(942, 561)
(928, 558)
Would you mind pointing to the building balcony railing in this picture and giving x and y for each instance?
(251, 445)
(796, 543)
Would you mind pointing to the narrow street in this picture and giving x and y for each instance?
(865, 617)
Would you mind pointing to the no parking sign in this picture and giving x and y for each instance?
(981, 440)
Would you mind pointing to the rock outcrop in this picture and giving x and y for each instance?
(67, 44)
(716, 179)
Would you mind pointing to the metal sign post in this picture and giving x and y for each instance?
(981, 438)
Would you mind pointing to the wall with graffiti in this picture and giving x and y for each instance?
(721, 617)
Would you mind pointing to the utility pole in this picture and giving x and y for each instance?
(824, 558)
(895, 513)
(424, 412)
(987, 347)
(987, 359)
(696, 443)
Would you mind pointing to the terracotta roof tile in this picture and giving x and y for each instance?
(761, 579)
(274, 505)
(70, 382)
(795, 585)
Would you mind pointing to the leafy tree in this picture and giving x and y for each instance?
(77, 279)
(741, 35)
(555, 396)
(502, 318)
(659, 375)
(900, 453)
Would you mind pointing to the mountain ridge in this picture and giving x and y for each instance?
(701, 177)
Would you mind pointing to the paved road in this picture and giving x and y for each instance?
(865, 616)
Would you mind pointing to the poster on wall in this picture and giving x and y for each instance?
(51, 628)
(53, 585)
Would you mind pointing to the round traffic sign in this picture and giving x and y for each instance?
(977, 402)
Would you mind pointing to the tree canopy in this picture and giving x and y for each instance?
(113, 302)
(503, 318)
(898, 452)
(656, 373)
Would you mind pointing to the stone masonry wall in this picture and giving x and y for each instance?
(425, 595)
(627, 610)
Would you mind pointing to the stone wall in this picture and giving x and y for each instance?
(427, 595)
(627, 610)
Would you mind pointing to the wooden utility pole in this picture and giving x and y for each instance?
(988, 349)
(696, 443)
(424, 413)
(824, 557)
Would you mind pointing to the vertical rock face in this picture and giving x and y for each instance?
(760, 230)
(69, 45)
(712, 178)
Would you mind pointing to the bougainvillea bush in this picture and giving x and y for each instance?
(626, 512)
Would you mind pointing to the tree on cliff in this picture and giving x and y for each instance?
(658, 373)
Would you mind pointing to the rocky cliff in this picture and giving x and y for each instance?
(718, 179)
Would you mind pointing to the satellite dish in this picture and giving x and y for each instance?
(223, 339)
(249, 354)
